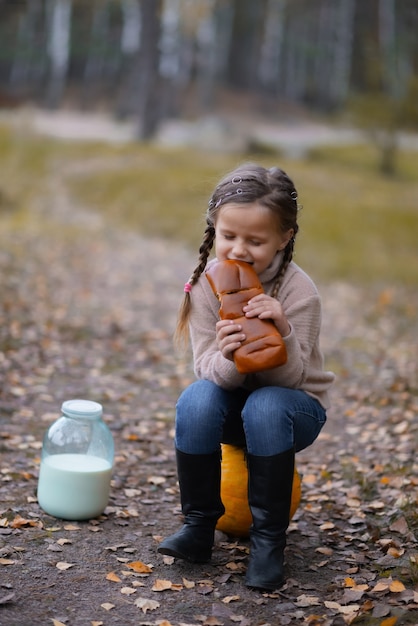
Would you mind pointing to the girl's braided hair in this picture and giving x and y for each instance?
(248, 183)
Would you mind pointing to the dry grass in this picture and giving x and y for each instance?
(355, 224)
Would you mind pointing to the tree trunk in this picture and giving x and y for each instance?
(343, 49)
(206, 62)
(149, 106)
(28, 63)
(58, 50)
(131, 27)
(387, 45)
(271, 51)
(246, 43)
(388, 151)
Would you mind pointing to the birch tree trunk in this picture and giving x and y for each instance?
(173, 73)
(271, 50)
(58, 50)
(131, 27)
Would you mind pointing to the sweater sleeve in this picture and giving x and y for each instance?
(304, 368)
(304, 317)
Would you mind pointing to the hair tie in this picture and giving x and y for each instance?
(187, 287)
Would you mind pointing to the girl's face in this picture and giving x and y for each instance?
(249, 232)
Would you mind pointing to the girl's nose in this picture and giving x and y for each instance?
(239, 250)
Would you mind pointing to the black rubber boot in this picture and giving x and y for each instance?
(200, 485)
(270, 481)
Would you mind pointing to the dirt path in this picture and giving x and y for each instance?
(291, 137)
(88, 311)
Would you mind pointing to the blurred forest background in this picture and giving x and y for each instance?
(158, 59)
(347, 63)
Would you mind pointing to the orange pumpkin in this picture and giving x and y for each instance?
(236, 520)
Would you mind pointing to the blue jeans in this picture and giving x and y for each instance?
(266, 421)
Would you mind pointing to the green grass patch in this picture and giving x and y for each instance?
(23, 162)
(158, 192)
(354, 225)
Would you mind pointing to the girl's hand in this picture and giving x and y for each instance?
(229, 337)
(266, 307)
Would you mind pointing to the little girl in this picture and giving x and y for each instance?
(252, 217)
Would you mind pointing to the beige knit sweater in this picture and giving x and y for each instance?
(302, 306)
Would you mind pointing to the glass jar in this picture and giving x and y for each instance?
(76, 463)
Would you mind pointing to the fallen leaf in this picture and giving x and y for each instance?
(345, 610)
(229, 599)
(7, 561)
(20, 522)
(54, 548)
(63, 541)
(146, 605)
(377, 504)
(139, 568)
(168, 560)
(114, 578)
(127, 591)
(116, 547)
(396, 552)
(156, 480)
(353, 503)
(62, 566)
(396, 586)
(162, 585)
(132, 493)
(390, 621)
(107, 606)
(399, 526)
(57, 623)
(304, 600)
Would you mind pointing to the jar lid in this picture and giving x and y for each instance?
(82, 408)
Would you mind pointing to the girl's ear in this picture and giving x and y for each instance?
(286, 237)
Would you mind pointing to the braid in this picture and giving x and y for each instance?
(182, 331)
(287, 257)
(204, 251)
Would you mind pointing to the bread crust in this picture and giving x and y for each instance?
(234, 283)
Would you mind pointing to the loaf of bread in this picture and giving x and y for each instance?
(234, 283)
